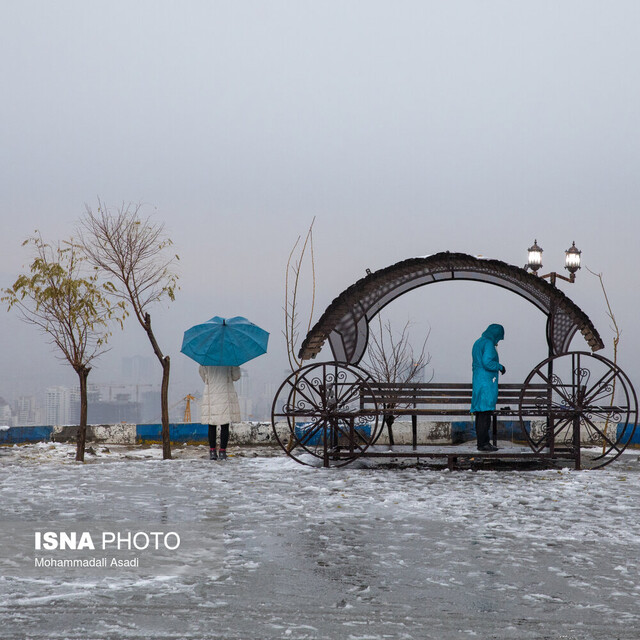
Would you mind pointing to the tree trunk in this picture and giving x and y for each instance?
(389, 420)
(164, 389)
(164, 401)
(83, 374)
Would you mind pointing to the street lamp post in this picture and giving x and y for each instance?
(571, 263)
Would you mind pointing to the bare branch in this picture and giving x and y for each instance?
(292, 283)
(392, 359)
(132, 252)
(616, 339)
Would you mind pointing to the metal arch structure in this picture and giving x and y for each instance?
(345, 322)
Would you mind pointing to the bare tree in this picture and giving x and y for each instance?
(68, 304)
(291, 295)
(132, 252)
(293, 276)
(392, 359)
(616, 339)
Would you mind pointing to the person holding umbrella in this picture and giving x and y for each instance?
(219, 405)
(220, 346)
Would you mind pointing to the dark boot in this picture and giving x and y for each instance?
(212, 454)
(483, 423)
(223, 454)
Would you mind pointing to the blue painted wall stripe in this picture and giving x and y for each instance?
(17, 435)
(190, 432)
(624, 431)
(195, 432)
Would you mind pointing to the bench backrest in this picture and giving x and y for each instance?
(445, 398)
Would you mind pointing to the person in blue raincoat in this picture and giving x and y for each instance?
(486, 369)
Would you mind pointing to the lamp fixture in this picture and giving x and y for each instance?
(535, 257)
(572, 259)
(571, 262)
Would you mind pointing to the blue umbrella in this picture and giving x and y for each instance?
(224, 341)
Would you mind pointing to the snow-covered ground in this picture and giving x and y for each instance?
(286, 551)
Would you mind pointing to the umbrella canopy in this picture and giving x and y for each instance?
(224, 341)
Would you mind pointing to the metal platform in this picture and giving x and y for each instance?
(508, 451)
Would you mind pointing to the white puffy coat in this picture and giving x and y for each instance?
(219, 399)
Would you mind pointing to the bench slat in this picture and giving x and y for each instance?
(451, 399)
(442, 385)
(426, 397)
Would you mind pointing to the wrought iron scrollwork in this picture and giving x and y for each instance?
(321, 405)
(587, 395)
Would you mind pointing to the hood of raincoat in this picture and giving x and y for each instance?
(494, 332)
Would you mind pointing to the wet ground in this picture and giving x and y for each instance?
(272, 549)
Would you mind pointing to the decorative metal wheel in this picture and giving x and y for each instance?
(326, 418)
(583, 397)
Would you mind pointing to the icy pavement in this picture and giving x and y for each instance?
(352, 553)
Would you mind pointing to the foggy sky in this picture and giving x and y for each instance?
(405, 128)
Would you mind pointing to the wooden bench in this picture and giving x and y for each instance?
(451, 400)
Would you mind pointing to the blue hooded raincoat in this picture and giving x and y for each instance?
(486, 368)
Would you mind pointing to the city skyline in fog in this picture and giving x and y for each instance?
(130, 398)
(404, 128)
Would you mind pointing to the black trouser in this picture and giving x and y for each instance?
(224, 435)
(483, 423)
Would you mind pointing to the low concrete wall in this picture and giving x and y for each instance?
(256, 433)
(121, 433)
(17, 435)
(241, 433)
(428, 433)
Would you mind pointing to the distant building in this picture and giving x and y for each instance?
(120, 409)
(61, 404)
(150, 407)
(138, 369)
(246, 407)
(262, 409)
(25, 411)
(6, 415)
(243, 389)
(408, 372)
